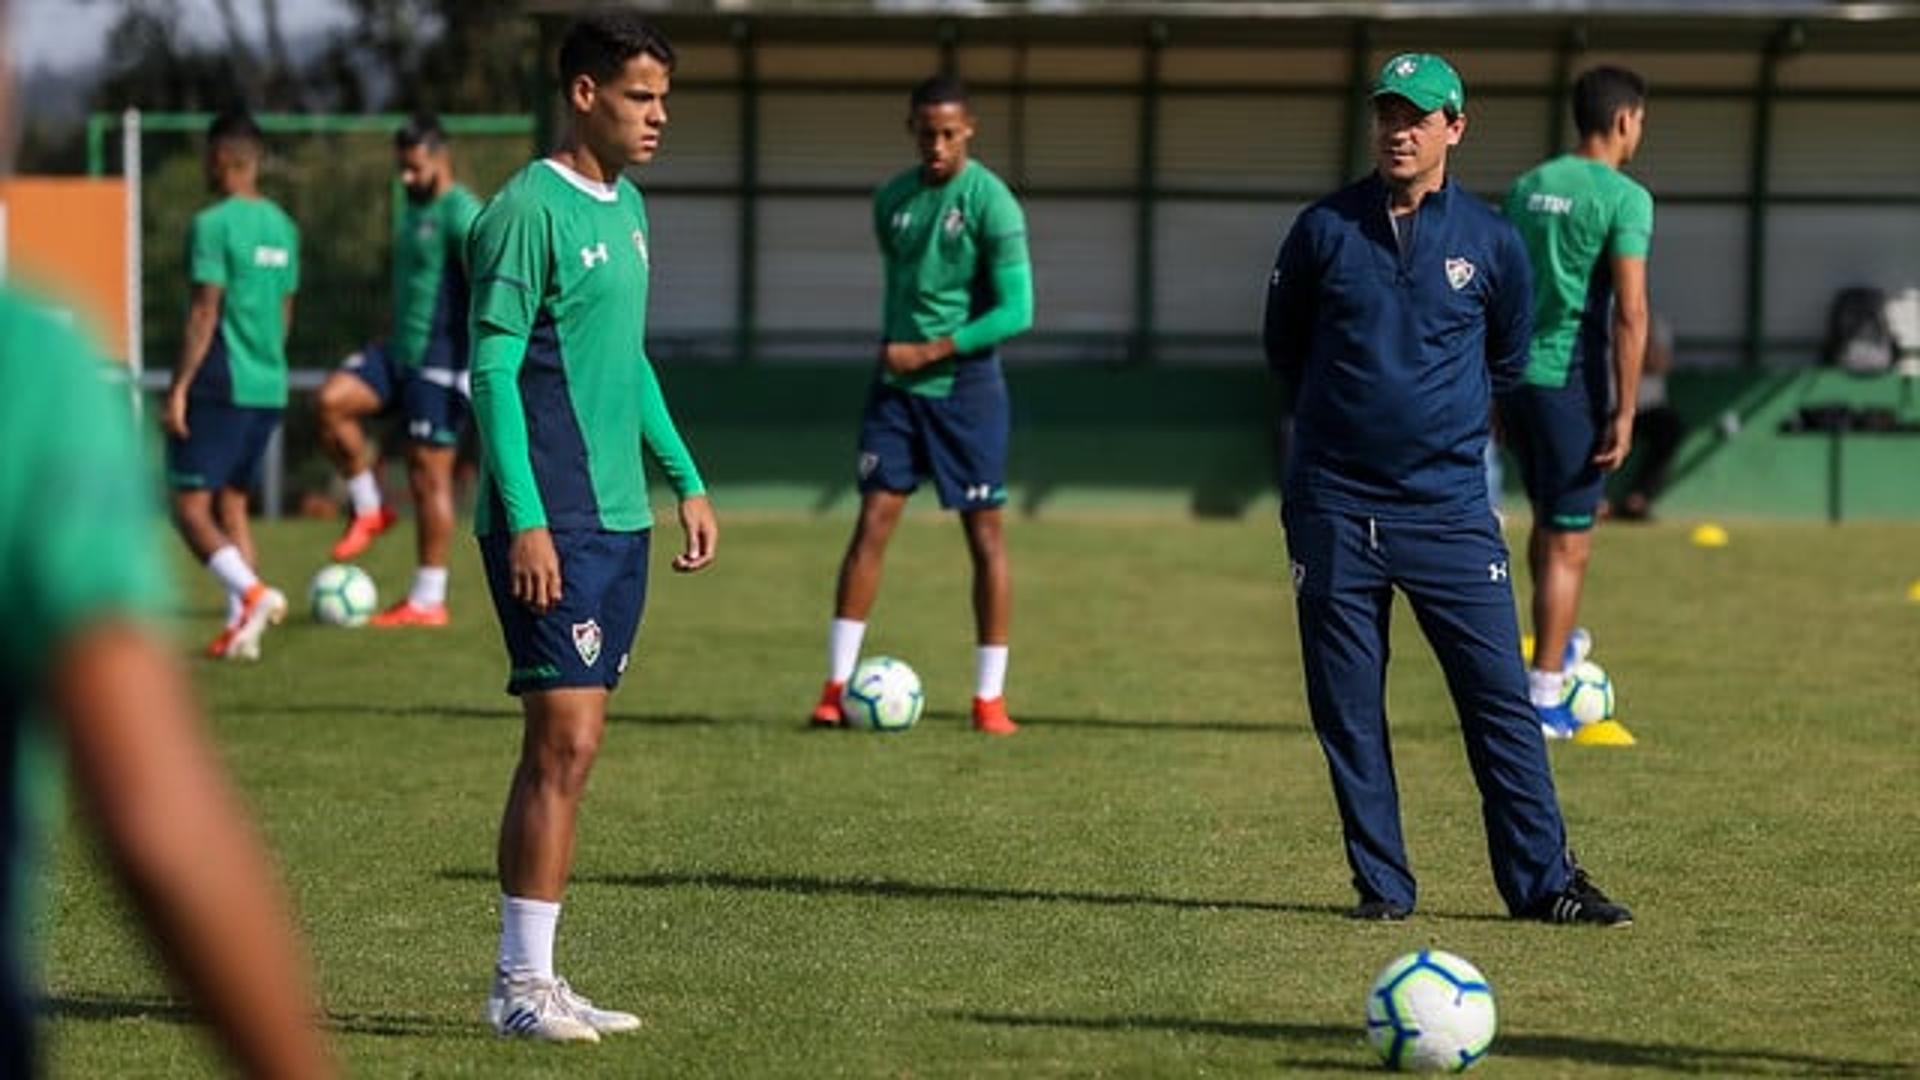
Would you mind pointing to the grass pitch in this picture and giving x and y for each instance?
(1147, 881)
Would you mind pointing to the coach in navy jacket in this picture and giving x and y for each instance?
(1397, 307)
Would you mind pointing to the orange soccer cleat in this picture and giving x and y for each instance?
(827, 714)
(990, 717)
(262, 607)
(361, 532)
(408, 613)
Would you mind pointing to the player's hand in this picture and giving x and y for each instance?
(535, 567)
(703, 535)
(1616, 442)
(173, 417)
(906, 357)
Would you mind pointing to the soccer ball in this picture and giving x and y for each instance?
(1589, 693)
(342, 595)
(1430, 1011)
(883, 695)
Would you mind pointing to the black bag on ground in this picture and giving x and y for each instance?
(1858, 337)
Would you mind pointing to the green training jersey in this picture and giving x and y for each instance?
(78, 545)
(564, 395)
(430, 281)
(250, 248)
(1576, 215)
(939, 246)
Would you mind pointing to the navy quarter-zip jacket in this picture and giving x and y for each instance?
(1392, 360)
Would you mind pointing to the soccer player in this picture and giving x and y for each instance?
(953, 246)
(230, 385)
(1396, 306)
(565, 399)
(421, 369)
(1587, 228)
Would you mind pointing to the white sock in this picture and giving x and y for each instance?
(1546, 688)
(989, 671)
(364, 491)
(429, 587)
(526, 935)
(843, 648)
(231, 568)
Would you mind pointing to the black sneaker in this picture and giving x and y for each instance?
(1580, 902)
(1378, 911)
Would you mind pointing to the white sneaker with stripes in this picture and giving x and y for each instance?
(604, 1021)
(526, 1006)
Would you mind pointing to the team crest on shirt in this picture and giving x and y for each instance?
(869, 461)
(586, 641)
(1299, 573)
(640, 245)
(1459, 273)
(954, 222)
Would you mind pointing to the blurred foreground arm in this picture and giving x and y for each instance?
(180, 841)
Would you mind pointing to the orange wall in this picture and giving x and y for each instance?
(67, 237)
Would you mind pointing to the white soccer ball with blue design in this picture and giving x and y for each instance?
(883, 695)
(342, 595)
(1589, 693)
(1430, 1011)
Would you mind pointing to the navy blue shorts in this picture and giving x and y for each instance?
(960, 440)
(433, 400)
(585, 639)
(1554, 433)
(223, 446)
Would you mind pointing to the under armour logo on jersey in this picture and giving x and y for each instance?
(901, 220)
(1497, 570)
(978, 492)
(1459, 273)
(593, 256)
(271, 256)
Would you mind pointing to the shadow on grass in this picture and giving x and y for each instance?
(110, 1008)
(484, 712)
(1127, 723)
(1664, 1057)
(895, 889)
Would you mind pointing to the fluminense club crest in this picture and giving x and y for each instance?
(1459, 273)
(586, 641)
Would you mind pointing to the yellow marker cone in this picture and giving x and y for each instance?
(1526, 641)
(1913, 592)
(1603, 733)
(1709, 535)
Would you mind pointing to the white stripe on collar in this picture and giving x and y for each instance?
(599, 190)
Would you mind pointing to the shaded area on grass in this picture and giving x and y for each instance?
(1543, 1047)
(896, 889)
(1129, 723)
(113, 1008)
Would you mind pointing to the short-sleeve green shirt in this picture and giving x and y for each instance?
(429, 275)
(1575, 215)
(939, 244)
(250, 248)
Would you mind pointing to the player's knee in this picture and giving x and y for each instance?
(1570, 549)
(563, 760)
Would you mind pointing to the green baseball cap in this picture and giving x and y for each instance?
(1424, 79)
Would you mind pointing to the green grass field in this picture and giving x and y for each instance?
(1147, 881)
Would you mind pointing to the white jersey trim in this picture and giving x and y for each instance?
(598, 190)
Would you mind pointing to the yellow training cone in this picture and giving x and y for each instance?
(1526, 640)
(1709, 535)
(1913, 592)
(1603, 733)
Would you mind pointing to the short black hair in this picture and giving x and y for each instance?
(600, 45)
(421, 129)
(938, 90)
(1602, 93)
(235, 125)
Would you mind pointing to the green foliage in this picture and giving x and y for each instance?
(1145, 882)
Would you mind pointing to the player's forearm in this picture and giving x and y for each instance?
(203, 321)
(1630, 324)
(662, 438)
(1012, 311)
(180, 840)
(500, 417)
